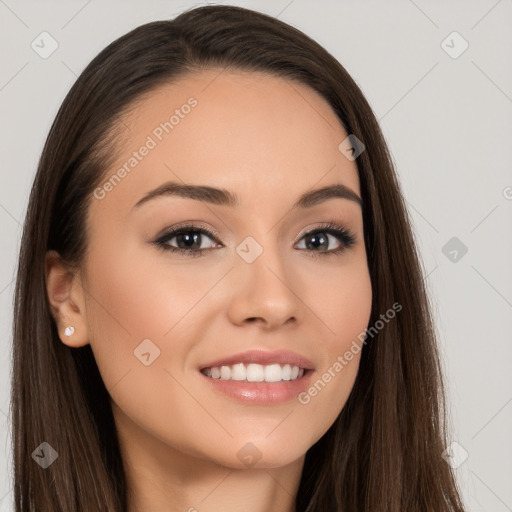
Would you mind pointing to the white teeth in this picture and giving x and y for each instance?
(225, 372)
(255, 372)
(287, 372)
(273, 373)
(238, 372)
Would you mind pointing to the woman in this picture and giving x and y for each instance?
(219, 302)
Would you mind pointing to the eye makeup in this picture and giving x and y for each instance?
(191, 235)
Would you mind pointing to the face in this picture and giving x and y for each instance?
(155, 310)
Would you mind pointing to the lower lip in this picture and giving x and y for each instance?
(262, 393)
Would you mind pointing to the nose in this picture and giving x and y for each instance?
(264, 292)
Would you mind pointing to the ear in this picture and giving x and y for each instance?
(66, 297)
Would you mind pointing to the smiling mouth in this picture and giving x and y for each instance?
(254, 372)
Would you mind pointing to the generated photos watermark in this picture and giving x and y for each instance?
(343, 359)
(152, 140)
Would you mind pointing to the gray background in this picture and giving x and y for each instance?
(448, 123)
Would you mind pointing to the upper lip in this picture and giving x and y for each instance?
(263, 357)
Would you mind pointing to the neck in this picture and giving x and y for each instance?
(161, 478)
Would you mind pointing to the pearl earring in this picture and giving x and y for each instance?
(68, 331)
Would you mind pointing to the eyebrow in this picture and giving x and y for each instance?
(223, 197)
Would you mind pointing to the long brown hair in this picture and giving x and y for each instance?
(383, 452)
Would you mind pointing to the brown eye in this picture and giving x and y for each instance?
(189, 240)
(319, 240)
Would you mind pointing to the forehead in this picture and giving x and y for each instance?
(245, 131)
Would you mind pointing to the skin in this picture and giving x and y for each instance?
(268, 142)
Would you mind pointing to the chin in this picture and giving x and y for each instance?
(261, 454)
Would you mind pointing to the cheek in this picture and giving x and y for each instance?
(131, 299)
(342, 304)
(134, 297)
(341, 299)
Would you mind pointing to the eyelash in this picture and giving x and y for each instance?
(345, 236)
